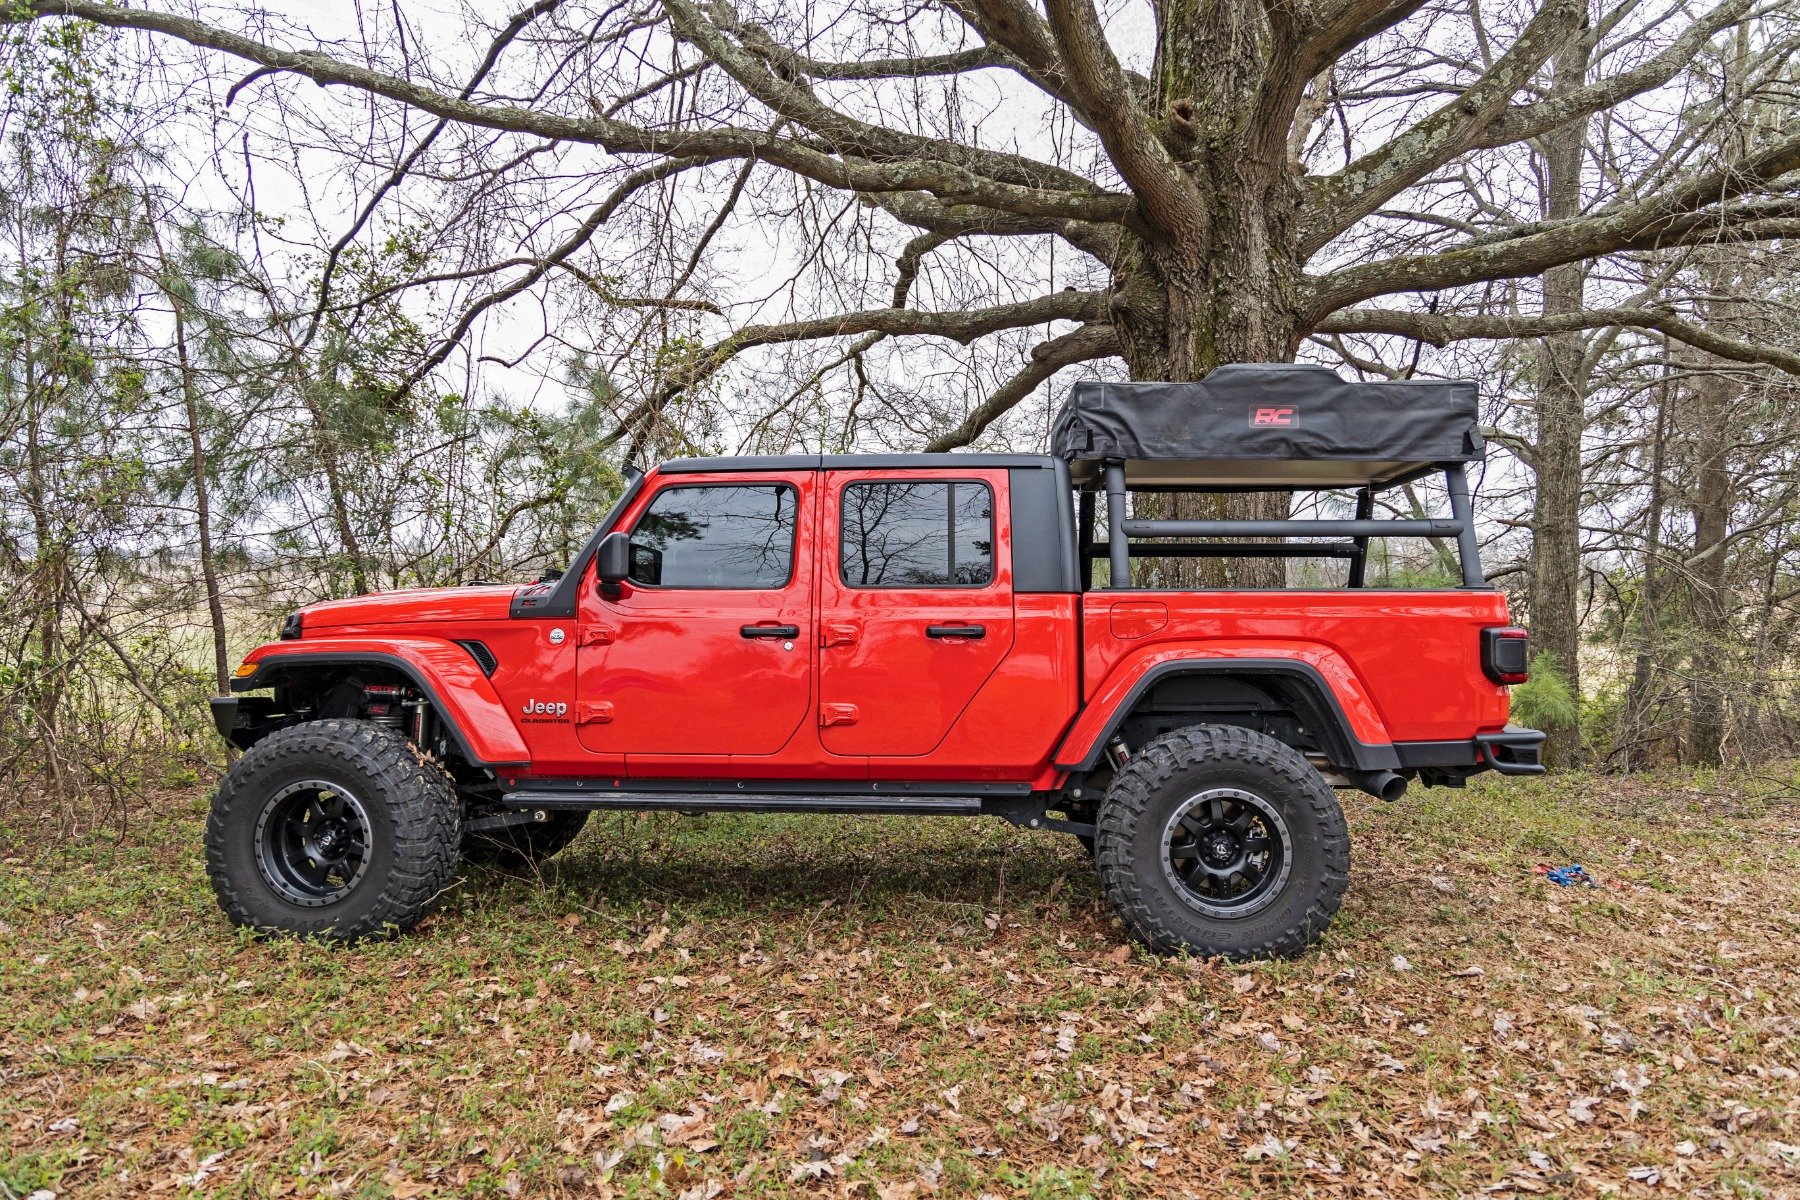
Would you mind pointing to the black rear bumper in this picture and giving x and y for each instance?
(1514, 750)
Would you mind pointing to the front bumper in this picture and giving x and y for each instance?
(224, 714)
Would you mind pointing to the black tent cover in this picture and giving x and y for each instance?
(1268, 425)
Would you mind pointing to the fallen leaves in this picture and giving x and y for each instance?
(664, 1043)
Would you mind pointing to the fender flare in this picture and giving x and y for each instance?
(1079, 753)
(477, 723)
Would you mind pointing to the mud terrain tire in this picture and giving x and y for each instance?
(343, 787)
(1196, 804)
(520, 848)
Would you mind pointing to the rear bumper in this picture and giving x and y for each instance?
(1514, 750)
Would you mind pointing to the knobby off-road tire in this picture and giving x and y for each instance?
(1189, 789)
(342, 792)
(521, 848)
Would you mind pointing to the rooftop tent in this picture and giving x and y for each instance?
(1267, 427)
(1273, 425)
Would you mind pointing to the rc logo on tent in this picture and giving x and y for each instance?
(1284, 415)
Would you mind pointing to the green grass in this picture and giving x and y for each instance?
(790, 1005)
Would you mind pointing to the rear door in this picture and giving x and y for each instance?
(915, 605)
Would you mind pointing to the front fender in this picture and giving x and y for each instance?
(1325, 671)
(462, 696)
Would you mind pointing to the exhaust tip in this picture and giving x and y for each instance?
(1383, 785)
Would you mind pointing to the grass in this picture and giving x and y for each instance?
(755, 1006)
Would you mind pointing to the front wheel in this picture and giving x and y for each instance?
(336, 829)
(1222, 842)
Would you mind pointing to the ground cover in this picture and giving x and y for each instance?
(881, 1007)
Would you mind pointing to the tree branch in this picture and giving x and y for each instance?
(948, 181)
(558, 257)
(1524, 121)
(786, 93)
(1440, 330)
(962, 327)
(1529, 250)
(1047, 358)
(1341, 200)
(1167, 197)
(502, 40)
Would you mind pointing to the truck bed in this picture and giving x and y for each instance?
(1405, 665)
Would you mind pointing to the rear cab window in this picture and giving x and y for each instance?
(924, 534)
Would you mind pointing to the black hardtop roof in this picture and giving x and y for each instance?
(854, 462)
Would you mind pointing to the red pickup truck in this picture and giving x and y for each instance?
(909, 634)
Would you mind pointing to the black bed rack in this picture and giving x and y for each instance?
(1120, 548)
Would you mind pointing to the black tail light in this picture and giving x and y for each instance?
(290, 628)
(1506, 654)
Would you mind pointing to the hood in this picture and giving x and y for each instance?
(483, 603)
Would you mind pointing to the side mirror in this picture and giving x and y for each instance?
(613, 563)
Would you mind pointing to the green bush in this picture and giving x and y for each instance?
(1545, 700)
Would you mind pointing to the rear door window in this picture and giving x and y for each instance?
(929, 534)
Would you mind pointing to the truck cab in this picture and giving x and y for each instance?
(919, 634)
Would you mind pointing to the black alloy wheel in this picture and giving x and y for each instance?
(336, 829)
(1228, 850)
(312, 842)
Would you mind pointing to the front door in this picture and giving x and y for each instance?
(915, 605)
(708, 650)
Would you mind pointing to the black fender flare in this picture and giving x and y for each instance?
(1298, 679)
(270, 668)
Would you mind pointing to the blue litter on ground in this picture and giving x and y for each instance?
(1573, 875)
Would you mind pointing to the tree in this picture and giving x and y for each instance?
(1188, 187)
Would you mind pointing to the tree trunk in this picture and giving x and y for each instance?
(1555, 579)
(1709, 672)
(1187, 302)
(190, 404)
(1641, 695)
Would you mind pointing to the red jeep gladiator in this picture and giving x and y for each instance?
(913, 634)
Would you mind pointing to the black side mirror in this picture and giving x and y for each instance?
(613, 562)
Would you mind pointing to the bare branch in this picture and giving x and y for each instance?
(1532, 249)
(501, 40)
(1440, 330)
(948, 181)
(1167, 197)
(556, 258)
(1529, 120)
(1047, 358)
(962, 327)
(1341, 200)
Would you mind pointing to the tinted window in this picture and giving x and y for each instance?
(917, 535)
(716, 537)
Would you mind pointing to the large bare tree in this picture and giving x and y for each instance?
(1201, 191)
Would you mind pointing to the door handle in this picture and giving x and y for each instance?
(956, 631)
(770, 631)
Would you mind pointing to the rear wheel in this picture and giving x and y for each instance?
(1220, 841)
(337, 829)
(522, 847)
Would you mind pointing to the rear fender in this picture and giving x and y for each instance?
(1355, 730)
(461, 695)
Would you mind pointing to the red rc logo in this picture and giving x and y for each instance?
(1285, 415)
